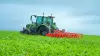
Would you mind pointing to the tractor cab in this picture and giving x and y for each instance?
(43, 19)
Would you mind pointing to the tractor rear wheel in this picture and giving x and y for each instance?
(43, 30)
(44, 33)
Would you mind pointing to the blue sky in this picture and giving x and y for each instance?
(81, 16)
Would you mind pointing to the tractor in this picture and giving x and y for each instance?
(42, 25)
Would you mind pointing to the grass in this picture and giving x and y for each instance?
(12, 43)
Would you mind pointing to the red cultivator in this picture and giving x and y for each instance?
(60, 34)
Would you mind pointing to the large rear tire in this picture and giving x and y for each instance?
(43, 30)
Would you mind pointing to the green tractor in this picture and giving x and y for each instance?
(42, 25)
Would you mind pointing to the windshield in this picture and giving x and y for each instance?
(39, 20)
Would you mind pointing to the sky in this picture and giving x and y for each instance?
(80, 16)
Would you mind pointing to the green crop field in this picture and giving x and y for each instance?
(12, 43)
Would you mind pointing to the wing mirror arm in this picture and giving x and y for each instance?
(32, 16)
